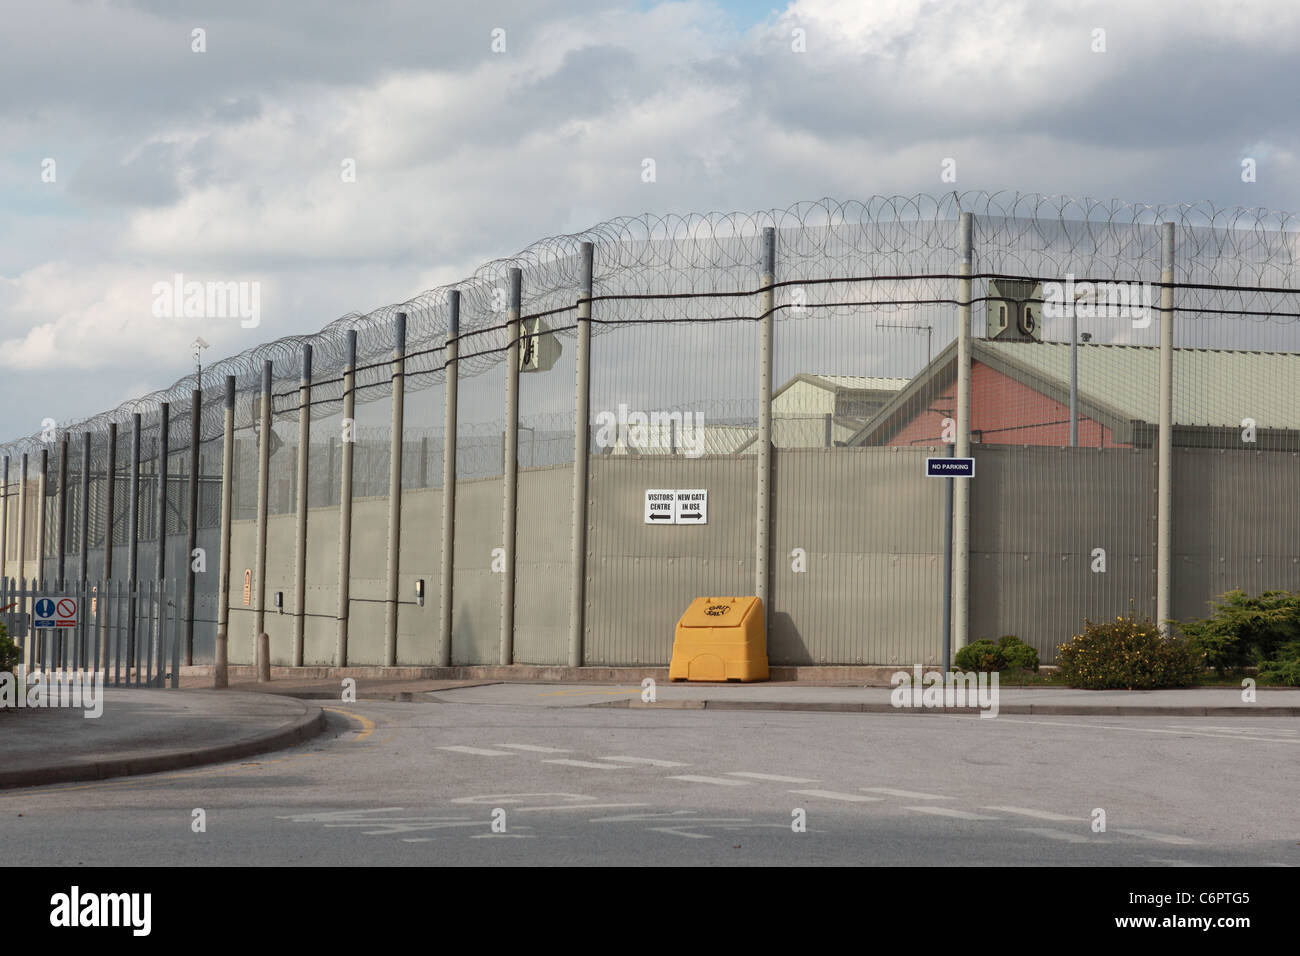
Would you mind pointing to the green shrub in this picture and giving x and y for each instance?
(984, 655)
(1243, 630)
(1017, 653)
(980, 656)
(1284, 668)
(1286, 672)
(1127, 653)
(9, 655)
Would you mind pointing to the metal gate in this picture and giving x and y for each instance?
(130, 635)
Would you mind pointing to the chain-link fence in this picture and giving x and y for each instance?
(852, 360)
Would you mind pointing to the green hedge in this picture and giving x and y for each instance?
(1246, 631)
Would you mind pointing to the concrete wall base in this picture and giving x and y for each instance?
(867, 675)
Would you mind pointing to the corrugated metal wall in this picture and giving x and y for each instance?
(1037, 514)
(476, 589)
(1236, 524)
(871, 529)
(870, 525)
(544, 566)
(640, 578)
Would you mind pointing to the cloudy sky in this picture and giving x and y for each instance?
(127, 157)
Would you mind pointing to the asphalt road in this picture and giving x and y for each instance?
(418, 783)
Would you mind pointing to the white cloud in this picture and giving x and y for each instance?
(465, 156)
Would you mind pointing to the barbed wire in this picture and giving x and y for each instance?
(712, 259)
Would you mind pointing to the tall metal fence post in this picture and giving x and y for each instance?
(763, 491)
(192, 522)
(510, 469)
(22, 520)
(110, 491)
(221, 651)
(160, 559)
(395, 488)
(961, 490)
(263, 502)
(449, 473)
(61, 548)
(946, 652)
(581, 460)
(1164, 491)
(22, 560)
(1074, 375)
(300, 555)
(4, 521)
(83, 554)
(345, 496)
(133, 544)
(43, 490)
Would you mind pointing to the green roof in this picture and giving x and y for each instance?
(1211, 386)
(1119, 386)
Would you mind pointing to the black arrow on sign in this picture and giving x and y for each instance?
(660, 517)
(693, 514)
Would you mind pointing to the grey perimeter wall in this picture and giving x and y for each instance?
(870, 530)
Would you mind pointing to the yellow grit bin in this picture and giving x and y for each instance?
(720, 639)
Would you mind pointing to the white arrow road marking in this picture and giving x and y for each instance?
(345, 817)
(535, 749)
(479, 751)
(835, 795)
(1055, 834)
(720, 781)
(649, 760)
(587, 763)
(681, 832)
(491, 836)
(1038, 814)
(769, 776)
(501, 799)
(584, 806)
(909, 794)
(1158, 837)
(949, 812)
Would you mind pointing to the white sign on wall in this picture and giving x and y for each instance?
(659, 505)
(677, 506)
(692, 506)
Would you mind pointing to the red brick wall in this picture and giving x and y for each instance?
(1006, 413)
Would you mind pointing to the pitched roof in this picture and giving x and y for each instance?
(846, 382)
(1120, 384)
(713, 439)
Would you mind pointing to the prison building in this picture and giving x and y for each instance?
(808, 411)
(1020, 395)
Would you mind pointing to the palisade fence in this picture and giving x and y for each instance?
(398, 490)
(133, 635)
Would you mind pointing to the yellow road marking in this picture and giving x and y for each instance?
(368, 725)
